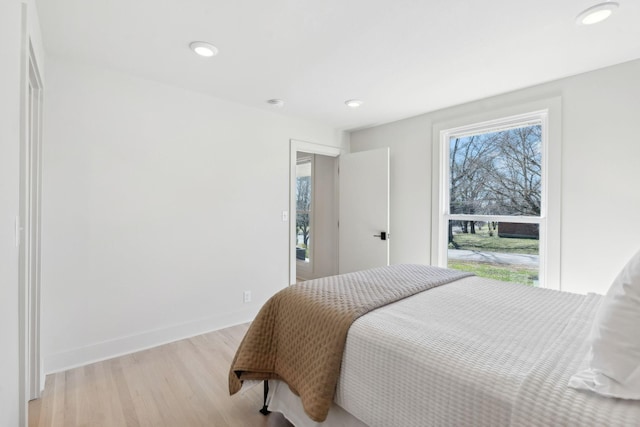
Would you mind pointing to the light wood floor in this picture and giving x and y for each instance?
(182, 384)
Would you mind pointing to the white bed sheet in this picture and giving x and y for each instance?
(466, 353)
(455, 355)
(281, 399)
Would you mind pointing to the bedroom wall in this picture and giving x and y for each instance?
(600, 151)
(10, 20)
(12, 399)
(161, 206)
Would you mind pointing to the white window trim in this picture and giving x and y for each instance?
(548, 110)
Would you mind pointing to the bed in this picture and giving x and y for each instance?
(463, 351)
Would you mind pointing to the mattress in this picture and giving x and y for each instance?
(473, 352)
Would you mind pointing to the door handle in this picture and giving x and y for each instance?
(383, 235)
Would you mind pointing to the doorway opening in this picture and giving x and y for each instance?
(313, 211)
(305, 204)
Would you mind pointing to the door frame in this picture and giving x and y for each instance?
(294, 147)
(28, 223)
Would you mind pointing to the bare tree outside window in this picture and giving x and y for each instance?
(303, 208)
(496, 173)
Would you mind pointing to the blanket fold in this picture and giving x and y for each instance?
(300, 333)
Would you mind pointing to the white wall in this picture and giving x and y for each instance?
(160, 207)
(600, 152)
(410, 181)
(10, 25)
(13, 14)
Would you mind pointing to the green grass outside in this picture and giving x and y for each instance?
(482, 241)
(505, 273)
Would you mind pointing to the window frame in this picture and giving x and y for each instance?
(547, 112)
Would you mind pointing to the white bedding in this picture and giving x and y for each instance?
(470, 353)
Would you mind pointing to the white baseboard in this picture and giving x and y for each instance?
(130, 344)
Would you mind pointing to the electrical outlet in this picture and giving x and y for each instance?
(246, 296)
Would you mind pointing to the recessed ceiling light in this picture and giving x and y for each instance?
(597, 13)
(276, 102)
(204, 49)
(353, 103)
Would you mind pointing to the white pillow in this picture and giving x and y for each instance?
(613, 361)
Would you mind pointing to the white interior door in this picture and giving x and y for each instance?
(364, 210)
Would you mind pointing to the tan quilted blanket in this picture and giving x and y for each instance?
(299, 334)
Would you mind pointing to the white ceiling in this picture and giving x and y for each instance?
(401, 57)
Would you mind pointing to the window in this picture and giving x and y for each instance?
(493, 201)
(304, 174)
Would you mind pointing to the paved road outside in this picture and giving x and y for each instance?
(494, 257)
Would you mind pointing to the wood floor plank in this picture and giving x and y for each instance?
(58, 399)
(179, 384)
(34, 412)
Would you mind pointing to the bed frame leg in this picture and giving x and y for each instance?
(264, 411)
